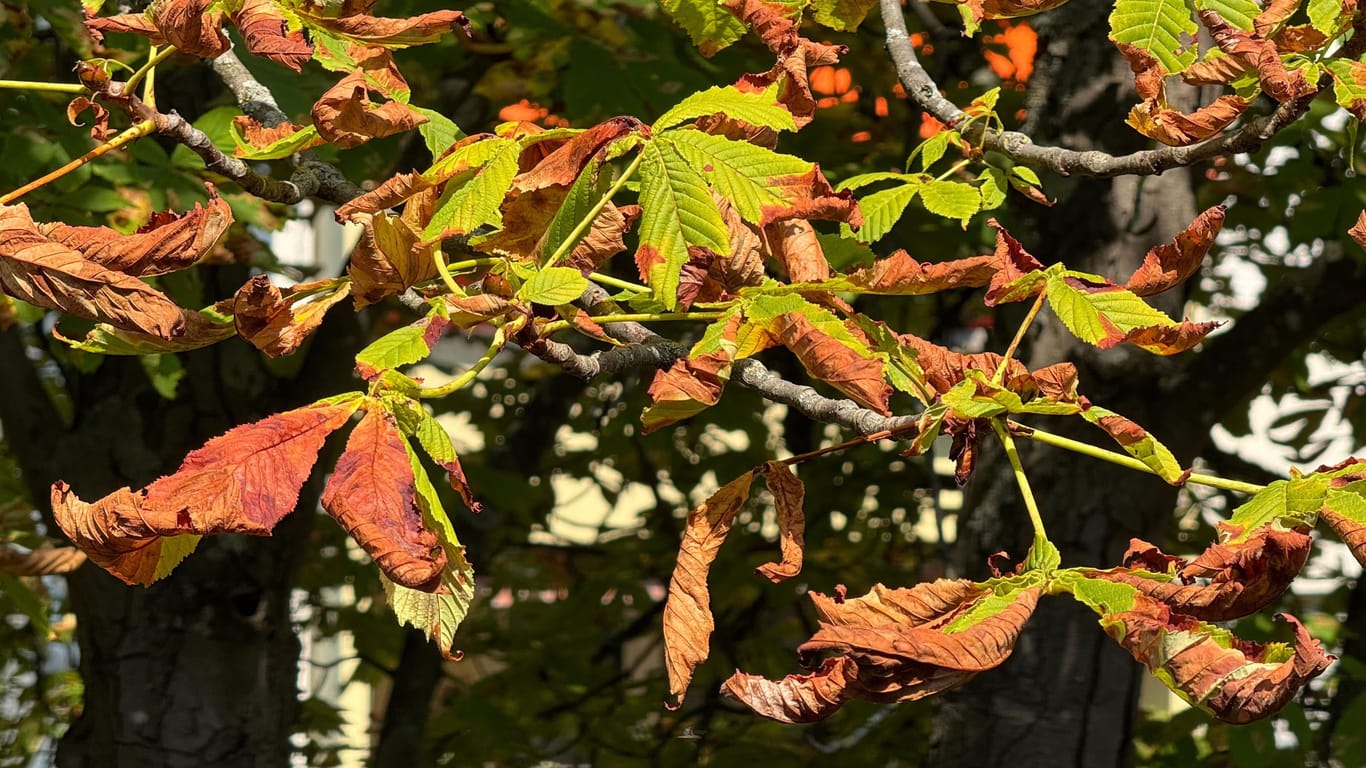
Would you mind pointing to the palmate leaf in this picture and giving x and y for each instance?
(739, 171)
(677, 211)
(469, 203)
(1101, 313)
(1159, 27)
(761, 108)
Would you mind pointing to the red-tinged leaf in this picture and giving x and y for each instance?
(99, 131)
(1019, 275)
(267, 34)
(169, 242)
(688, 621)
(1154, 117)
(830, 360)
(809, 197)
(386, 261)
(345, 116)
(1358, 230)
(51, 275)
(191, 27)
(244, 481)
(282, 140)
(566, 162)
(1232, 679)
(796, 57)
(1238, 578)
(278, 322)
(788, 497)
(394, 33)
(1257, 53)
(944, 368)
(795, 245)
(796, 698)
(1170, 264)
(372, 494)
(1168, 339)
(391, 193)
(687, 388)
(1057, 382)
(899, 274)
(126, 23)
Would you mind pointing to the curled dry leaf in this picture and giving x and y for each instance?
(40, 271)
(99, 131)
(1170, 264)
(1260, 54)
(169, 242)
(797, 56)
(386, 262)
(789, 495)
(828, 359)
(1017, 271)
(267, 34)
(372, 493)
(244, 481)
(394, 33)
(1153, 116)
(895, 645)
(944, 368)
(278, 322)
(1232, 679)
(190, 26)
(798, 251)
(688, 621)
(900, 274)
(687, 388)
(1236, 579)
(345, 116)
(42, 561)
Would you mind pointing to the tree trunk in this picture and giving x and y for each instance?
(201, 668)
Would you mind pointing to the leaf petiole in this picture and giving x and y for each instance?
(127, 137)
(463, 380)
(1031, 506)
(615, 282)
(999, 376)
(587, 221)
(36, 85)
(157, 55)
(640, 317)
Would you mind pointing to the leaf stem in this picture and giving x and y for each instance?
(852, 443)
(1127, 461)
(615, 282)
(36, 85)
(439, 260)
(136, 132)
(639, 317)
(464, 379)
(1031, 506)
(958, 166)
(999, 376)
(569, 242)
(157, 55)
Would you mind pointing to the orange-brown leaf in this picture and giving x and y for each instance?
(901, 274)
(688, 621)
(244, 481)
(1012, 263)
(278, 322)
(795, 245)
(808, 197)
(48, 274)
(564, 164)
(1178, 129)
(829, 360)
(788, 497)
(169, 242)
(190, 26)
(1358, 230)
(945, 368)
(397, 33)
(1170, 264)
(127, 23)
(257, 136)
(266, 33)
(345, 116)
(384, 262)
(99, 131)
(796, 698)
(393, 191)
(373, 495)
(1257, 53)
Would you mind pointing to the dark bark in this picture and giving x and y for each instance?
(201, 668)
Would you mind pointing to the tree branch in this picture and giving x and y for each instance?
(754, 375)
(1060, 160)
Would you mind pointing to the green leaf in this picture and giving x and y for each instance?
(864, 179)
(439, 132)
(174, 550)
(1098, 312)
(1159, 27)
(165, 373)
(1348, 91)
(952, 200)
(841, 14)
(760, 108)
(1137, 442)
(554, 285)
(1239, 13)
(400, 347)
(677, 210)
(1326, 16)
(469, 203)
(583, 194)
(289, 145)
(931, 149)
(881, 211)
(1100, 595)
(1290, 503)
(710, 25)
(739, 171)
(993, 188)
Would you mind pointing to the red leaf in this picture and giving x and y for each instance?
(788, 497)
(243, 481)
(1014, 266)
(189, 26)
(1170, 264)
(372, 494)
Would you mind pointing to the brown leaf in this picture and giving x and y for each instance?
(384, 262)
(345, 116)
(99, 131)
(278, 322)
(1165, 339)
(127, 23)
(1215, 70)
(796, 57)
(1275, 14)
(43, 561)
(373, 495)
(1279, 83)
(267, 34)
(798, 251)
(604, 240)
(1232, 679)
(1358, 230)
(244, 481)
(396, 33)
(392, 192)
(687, 388)
(788, 497)
(809, 197)
(1170, 264)
(831, 361)
(688, 621)
(257, 136)
(39, 271)
(796, 698)
(169, 242)
(1242, 577)
(901, 274)
(1012, 263)
(945, 368)
(1153, 117)
(562, 166)
(190, 26)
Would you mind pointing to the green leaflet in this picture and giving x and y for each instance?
(553, 285)
(1159, 27)
(739, 171)
(864, 179)
(881, 211)
(754, 107)
(295, 142)
(400, 347)
(1290, 503)
(1146, 449)
(966, 401)
(1347, 92)
(583, 194)
(841, 14)
(1326, 16)
(1100, 595)
(439, 132)
(1096, 316)
(952, 200)
(1004, 593)
(902, 368)
(104, 339)
(174, 550)
(677, 211)
(469, 204)
(710, 25)
(1239, 13)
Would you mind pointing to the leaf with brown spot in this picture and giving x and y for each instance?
(244, 481)
(45, 273)
(169, 242)
(826, 358)
(267, 34)
(789, 496)
(688, 621)
(345, 116)
(809, 197)
(795, 245)
(392, 33)
(1170, 264)
(372, 494)
(385, 262)
(257, 142)
(278, 322)
(190, 26)
(1279, 82)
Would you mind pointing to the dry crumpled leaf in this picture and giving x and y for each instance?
(796, 57)
(190, 26)
(1280, 83)
(266, 33)
(831, 361)
(244, 481)
(385, 262)
(278, 322)
(789, 496)
(1170, 264)
(345, 116)
(1153, 116)
(372, 494)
